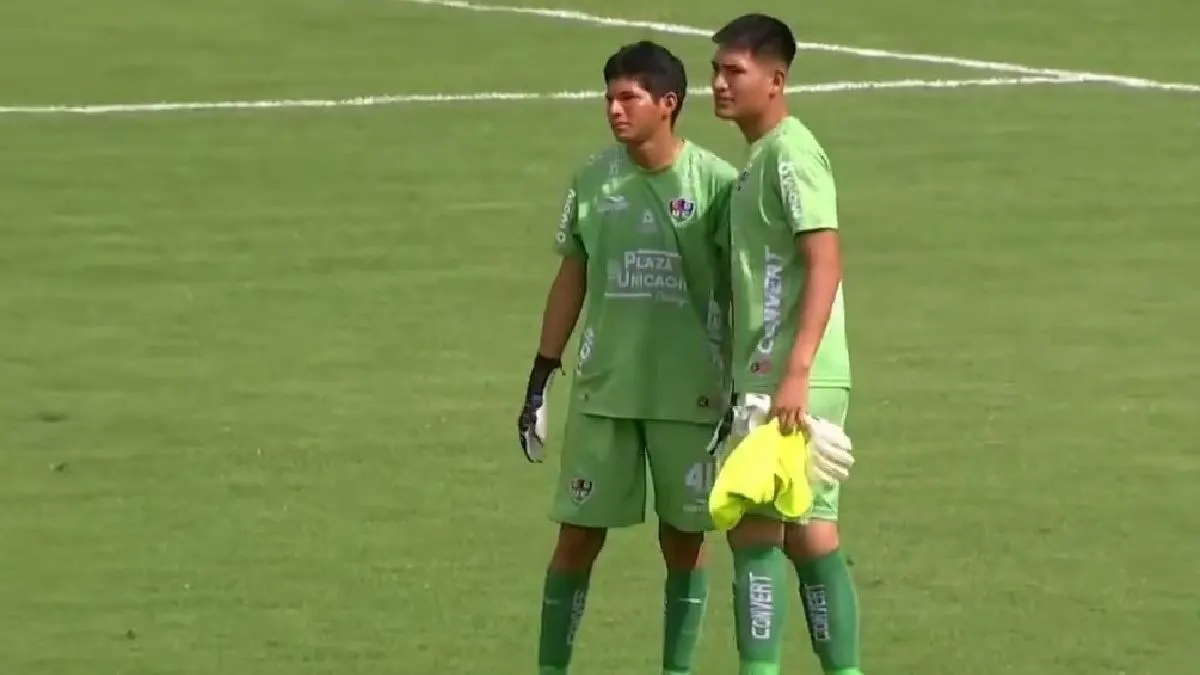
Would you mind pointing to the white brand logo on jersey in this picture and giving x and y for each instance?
(648, 225)
(613, 203)
(789, 185)
(564, 220)
(587, 343)
(716, 333)
(647, 274)
(772, 299)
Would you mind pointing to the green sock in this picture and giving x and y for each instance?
(684, 596)
(831, 609)
(759, 605)
(564, 596)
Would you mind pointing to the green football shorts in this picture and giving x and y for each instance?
(832, 404)
(602, 473)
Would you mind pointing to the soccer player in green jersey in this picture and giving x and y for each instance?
(636, 237)
(789, 339)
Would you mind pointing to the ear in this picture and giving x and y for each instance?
(669, 102)
(779, 79)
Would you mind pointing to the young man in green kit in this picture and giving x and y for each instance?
(790, 355)
(636, 237)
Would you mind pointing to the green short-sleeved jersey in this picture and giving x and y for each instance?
(654, 341)
(786, 188)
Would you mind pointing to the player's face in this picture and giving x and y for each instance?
(633, 114)
(742, 86)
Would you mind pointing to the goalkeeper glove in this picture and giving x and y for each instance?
(531, 423)
(830, 451)
(723, 429)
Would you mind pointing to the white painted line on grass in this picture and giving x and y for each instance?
(680, 29)
(924, 84)
(480, 97)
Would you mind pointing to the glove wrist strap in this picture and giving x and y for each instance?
(539, 376)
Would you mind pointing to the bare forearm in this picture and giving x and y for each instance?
(822, 276)
(563, 305)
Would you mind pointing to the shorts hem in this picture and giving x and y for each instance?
(698, 420)
(818, 517)
(798, 520)
(691, 528)
(596, 523)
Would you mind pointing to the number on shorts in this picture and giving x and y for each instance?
(701, 477)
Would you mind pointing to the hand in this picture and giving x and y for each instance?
(531, 422)
(790, 403)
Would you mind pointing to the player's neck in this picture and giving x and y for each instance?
(756, 128)
(655, 153)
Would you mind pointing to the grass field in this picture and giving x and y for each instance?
(258, 367)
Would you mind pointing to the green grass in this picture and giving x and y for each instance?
(259, 368)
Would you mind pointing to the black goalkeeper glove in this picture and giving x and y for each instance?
(531, 423)
(721, 433)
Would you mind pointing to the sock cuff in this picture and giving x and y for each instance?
(685, 581)
(835, 558)
(574, 575)
(757, 552)
(758, 668)
(565, 582)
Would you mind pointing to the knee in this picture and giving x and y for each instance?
(810, 540)
(755, 531)
(577, 548)
(681, 550)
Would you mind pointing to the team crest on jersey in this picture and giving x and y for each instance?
(581, 489)
(745, 176)
(681, 208)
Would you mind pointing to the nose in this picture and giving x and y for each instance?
(718, 82)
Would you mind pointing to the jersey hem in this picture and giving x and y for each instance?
(716, 416)
(768, 388)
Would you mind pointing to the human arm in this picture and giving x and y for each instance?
(820, 253)
(722, 246)
(809, 205)
(563, 304)
(564, 301)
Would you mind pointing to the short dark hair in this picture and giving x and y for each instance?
(653, 67)
(759, 34)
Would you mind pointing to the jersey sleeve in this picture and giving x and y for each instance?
(718, 211)
(566, 238)
(724, 182)
(806, 189)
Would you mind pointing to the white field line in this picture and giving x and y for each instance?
(680, 29)
(401, 99)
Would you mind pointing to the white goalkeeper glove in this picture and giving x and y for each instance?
(830, 451)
